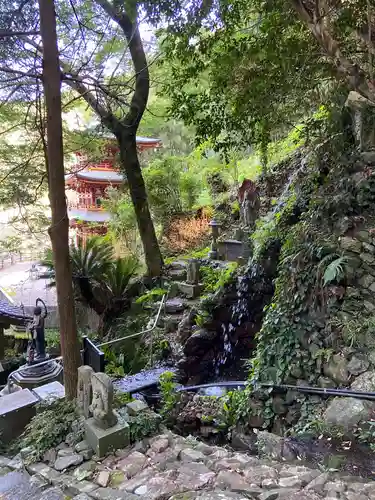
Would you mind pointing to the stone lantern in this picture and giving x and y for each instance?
(215, 228)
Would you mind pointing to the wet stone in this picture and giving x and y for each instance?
(65, 462)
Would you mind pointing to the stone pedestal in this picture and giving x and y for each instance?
(190, 290)
(50, 392)
(16, 411)
(104, 440)
(31, 376)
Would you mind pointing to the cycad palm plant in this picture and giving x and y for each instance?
(100, 281)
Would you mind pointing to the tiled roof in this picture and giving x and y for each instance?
(11, 312)
(97, 175)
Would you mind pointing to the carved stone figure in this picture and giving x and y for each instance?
(102, 401)
(250, 203)
(363, 117)
(84, 389)
(193, 271)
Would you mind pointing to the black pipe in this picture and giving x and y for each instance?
(319, 391)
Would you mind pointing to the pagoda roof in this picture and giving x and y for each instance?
(101, 131)
(97, 175)
(89, 215)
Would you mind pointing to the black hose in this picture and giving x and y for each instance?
(319, 391)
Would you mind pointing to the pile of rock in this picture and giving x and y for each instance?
(169, 467)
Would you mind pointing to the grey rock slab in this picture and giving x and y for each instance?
(205, 449)
(191, 455)
(345, 412)
(73, 487)
(337, 369)
(194, 476)
(228, 463)
(161, 485)
(84, 471)
(290, 482)
(132, 464)
(209, 495)
(4, 461)
(257, 474)
(50, 456)
(103, 478)
(159, 445)
(65, 462)
(52, 494)
(318, 483)
(139, 480)
(136, 407)
(81, 446)
(65, 452)
(304, 474)
(112, 494)
(229, 480)
(358, 364)
(39, 482)
(272, 445)
(82, 496)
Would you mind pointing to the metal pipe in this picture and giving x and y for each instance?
(148, 330)
(319, 391)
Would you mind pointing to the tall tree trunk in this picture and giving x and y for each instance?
(59, 230)
(131, 167)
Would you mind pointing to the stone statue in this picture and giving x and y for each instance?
(84, 389)
(102, 401)
(250, 203)
(193, 272)
(38, 343)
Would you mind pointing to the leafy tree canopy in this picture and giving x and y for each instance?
(245, 72)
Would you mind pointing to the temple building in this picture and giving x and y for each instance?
(86, 189)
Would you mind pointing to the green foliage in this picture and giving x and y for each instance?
(52, 336)
(52, 423)
(169, 395)
(121, 399)
(101, 281)
(244, 107)
(143, 425)
(334, 268)
(151, 296)
(171, 187)
(215, 278)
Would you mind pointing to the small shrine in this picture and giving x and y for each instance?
(86, 188)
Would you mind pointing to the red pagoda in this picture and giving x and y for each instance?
(87, 185)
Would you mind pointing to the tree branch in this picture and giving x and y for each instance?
(142, 80)
(355, 75)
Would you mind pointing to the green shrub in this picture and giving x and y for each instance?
(144, 424)
(169, 395)
(215, 278)
(50, 426)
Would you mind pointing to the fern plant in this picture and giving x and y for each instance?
(332, 268)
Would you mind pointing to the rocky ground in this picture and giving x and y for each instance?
(169, 467)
